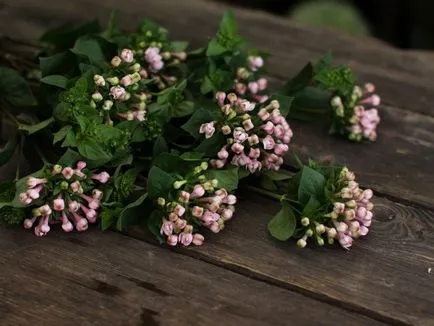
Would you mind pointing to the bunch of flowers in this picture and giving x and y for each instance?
(355, 114)
(254, 141)
(194, 202)
(64, 195)
(349, 216)
(247, 82)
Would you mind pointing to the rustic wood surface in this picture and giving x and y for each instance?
(386, 276)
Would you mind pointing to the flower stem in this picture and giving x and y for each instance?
(41, 155)
(267, 193)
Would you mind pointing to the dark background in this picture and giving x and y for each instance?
(402, 23)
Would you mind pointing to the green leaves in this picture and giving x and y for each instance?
(199, 117)
(159, 182)
(55, 80)
(14, 89)
(282, 225)
(131, 212)
(303, 79)
(8, 150)
(31, 129)
(312, 184)
(90, 48)
(227, 178)
(92, 150)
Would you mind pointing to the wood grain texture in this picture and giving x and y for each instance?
(291, 44)
(406, 139)
(110, 279)
(385, 275)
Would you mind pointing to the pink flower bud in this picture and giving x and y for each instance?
(24, 197)
(67, 173)
(345, 241)
(97, 194)
(240, 88)
(253, 140)
(371, 100)
(91, 214)
(58, 204)
(198, 239)
(34, 193)
(28, 222)
(127, 55)
(198, 191)
(67, 227)
(207, 129)
(179, 210)
(341, 226)
(226, 130)
(173, 217)
(263, 114)
(268, 127)
(102, 177)
(253, 87)
(180, 223)
(367, 194)
(268, 142)
(218, 164)
(172, 240)
(116, 61)
(230, 200)
(184, 197)
(254, 153)
(227, 214)
(99, 80)
(166, 228)
(246, 106)
(247, 124)
(75, 186)
(237, 148)
(127, 81)
(240, 135)
(214, 227)
(73, 206)
(220, 97)
(185, 238)
(117, 92)
(197, 211)
(33, 182)
(262, 84)
(143, 73)
(280, 149)
(223, 153)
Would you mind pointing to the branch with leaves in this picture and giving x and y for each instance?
(131, 128)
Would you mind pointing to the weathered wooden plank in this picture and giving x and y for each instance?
(406, 139)
(110, 279)
(290, 43)
(385, 275)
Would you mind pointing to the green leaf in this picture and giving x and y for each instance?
(199, 117)
(31, 129)
(312, 184)
(159, 182)
(227, 178)
(58, 136)
(179, 46)
(215, 48)
(154, 224)
(323, 63)
(192, 156)
(55, 80)
(70, 140)
(8, 150)
(130, 213)
(278, 175)
(108, 216)
(14, 89)
(211, 146)
(267, 183)
(183, 109)
(228, 25)
(282, 225)
(311, 207)
(7, 193)
(160, 146)
(89, 47)
(303, 79)
(69, 158)
(92, 150)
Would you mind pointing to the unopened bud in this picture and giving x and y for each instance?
(204, 166)
(64, 185)
(320, 241)
(214, 183)
(305, 221)
(301, 243)
(116, 61)
(179, 184)
(161, 201)
(113, 80)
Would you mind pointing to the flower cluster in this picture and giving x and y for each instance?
(64, 195)
(199, 203)
(256, 141)
(350, 215)
(356, 114)
(122, 92)
(247, 83)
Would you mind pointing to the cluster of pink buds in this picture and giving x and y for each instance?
(357, 113)
(125, 83)
(199, 202)
(350, 216)
(65, 195)
(248, 84)
(257, 141)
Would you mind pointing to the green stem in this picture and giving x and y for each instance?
(41, 155)
(267, 193)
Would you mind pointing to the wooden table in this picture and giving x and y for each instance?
(243, 277)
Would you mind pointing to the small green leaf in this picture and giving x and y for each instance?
(70, 140)
(130, 213)
(178, 46)
(312, 184)
(228, 25)
(160, 146)
(303, 79)
(211, 146)
(311, 207)
(159, 182)
(192, 156)
(57, 63)
(61, 134)
(227, 178)
(89, 47)
(14, 89)
(8, 150)
(31, 129)
(69, 158)
(92, 150)
(55, 80)
(323, 63)
(215, 48)
(154, 224)
(267, 183)
(183, 109)
(282, 225)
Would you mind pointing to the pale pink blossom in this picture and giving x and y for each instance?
(208, 129)
(102, 177)
(185, 238)
(127, 55)
(198, 239)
